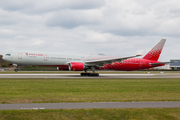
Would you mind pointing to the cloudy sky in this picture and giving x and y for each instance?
(112, 27)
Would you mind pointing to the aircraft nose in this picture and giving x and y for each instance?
(4, 58)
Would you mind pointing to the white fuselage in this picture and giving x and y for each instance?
(32, 58)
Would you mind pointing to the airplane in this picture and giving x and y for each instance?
(88, 62)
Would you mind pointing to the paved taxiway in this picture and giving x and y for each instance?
(90, 105)
(100, 76)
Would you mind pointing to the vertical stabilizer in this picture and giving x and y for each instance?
(154, 53)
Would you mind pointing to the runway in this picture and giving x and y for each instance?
(100, 76)
(90, 105)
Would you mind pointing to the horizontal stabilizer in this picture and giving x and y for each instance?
(160, 63)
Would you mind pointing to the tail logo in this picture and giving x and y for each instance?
(155, 52)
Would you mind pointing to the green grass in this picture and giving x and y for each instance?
(93, 114)
(88, 90)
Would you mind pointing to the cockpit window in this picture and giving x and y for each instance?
(8, 54)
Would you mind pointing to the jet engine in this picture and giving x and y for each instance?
(76, 66)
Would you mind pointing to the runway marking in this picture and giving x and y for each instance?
(100, 105)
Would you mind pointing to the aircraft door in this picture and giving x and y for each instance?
(19, 55)
(45, 57)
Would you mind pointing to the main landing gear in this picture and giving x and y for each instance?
(90, 74)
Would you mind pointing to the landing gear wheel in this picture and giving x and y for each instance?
(15, 70)
(82, 74)
(90, 74)
(97, 74)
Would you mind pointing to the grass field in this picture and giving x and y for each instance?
(93, 114)
(88, 90)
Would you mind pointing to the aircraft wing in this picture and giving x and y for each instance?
(107, 61)
(160, 63)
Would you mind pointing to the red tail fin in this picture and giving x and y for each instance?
(154, 53)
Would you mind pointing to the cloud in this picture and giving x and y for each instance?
(37, 42)
(11, 5)
(21, 37)
(6, 18)
(70, 19)
(132, 18)
(44, 6)
(112, 27)
(124, 18)
(96, 37)
(6, 31)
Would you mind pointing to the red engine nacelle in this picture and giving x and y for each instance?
(76, 66)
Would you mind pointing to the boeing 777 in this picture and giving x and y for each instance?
(86, 62)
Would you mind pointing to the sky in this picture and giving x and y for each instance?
(111, 27)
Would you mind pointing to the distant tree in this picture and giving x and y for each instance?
(3, 63)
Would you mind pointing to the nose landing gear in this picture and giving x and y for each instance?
(16, 69)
